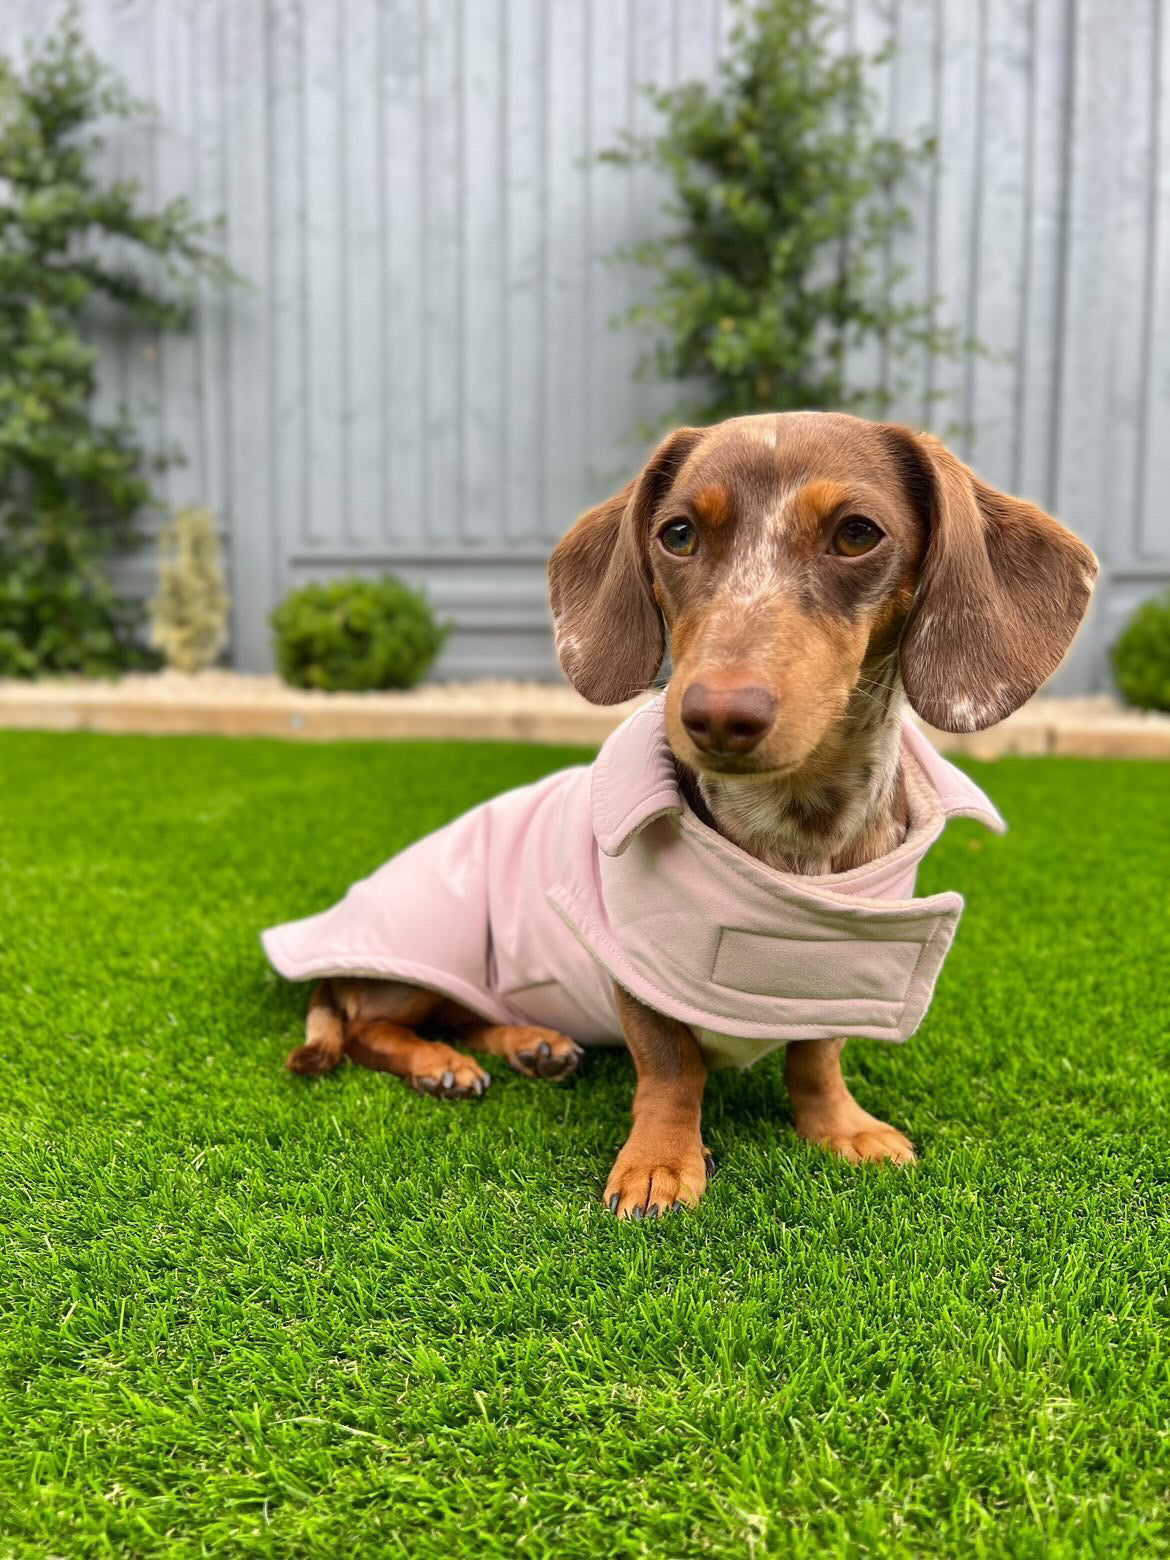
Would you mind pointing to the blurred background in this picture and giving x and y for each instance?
(449, 325)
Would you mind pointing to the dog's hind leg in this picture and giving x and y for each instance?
(324, 1035)
(381, 1020)
(428, 1066)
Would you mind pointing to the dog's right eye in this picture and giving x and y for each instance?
(680, 539)
(855, 536)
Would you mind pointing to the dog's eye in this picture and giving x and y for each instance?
(856, 536)
(680, 538)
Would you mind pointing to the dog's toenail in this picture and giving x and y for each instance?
(652, 1211)
(675, 1206)
(544, 1049)
(613, 1202)
(448, 1078)
(428, 1085)
(709, 1163)
(639, 1213)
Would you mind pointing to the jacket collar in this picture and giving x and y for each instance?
(634, 779)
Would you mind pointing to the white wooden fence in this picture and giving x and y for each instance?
(422, 376)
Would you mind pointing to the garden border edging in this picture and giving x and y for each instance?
(220, 703)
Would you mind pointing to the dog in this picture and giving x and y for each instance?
(810, 574)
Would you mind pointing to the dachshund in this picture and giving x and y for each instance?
(808, 574)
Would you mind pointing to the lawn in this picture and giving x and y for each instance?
(246, 1312)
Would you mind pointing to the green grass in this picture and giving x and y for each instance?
(244, 1312)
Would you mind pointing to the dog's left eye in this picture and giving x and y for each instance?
(856, 536)
(680, 538)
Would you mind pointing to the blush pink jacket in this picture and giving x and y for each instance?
(528, 908)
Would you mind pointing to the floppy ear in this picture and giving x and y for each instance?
(1002, 591)
(609, 634)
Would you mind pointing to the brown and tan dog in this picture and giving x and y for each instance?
(808, 572)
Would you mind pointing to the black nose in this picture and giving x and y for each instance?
(723, 721)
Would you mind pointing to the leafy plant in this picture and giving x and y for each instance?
(71, 485)
(784, 199)
(188, 617)
(356, 634)
(1141, 656)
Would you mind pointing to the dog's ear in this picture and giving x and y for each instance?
(609, 633)
(1002, 591)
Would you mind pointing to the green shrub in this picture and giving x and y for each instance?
(356, 634)
(784, 197)
(188, 617)
(71, 486)
(1141, 656)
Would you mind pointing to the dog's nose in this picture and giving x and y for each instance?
(722, 721)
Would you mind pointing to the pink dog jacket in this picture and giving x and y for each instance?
(529, 907)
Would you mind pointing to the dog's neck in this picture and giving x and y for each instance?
(844, 807)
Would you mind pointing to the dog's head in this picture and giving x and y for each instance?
(789, 555)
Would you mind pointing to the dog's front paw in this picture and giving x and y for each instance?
(652, 1176)
(529, 1049)
(543, 1053)
(857, 1136)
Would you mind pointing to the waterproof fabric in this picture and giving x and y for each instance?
(529, 907)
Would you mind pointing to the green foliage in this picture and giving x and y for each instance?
(1141, 656)
(784, 200)
(356, 634)
(72, 486)
(188, 617)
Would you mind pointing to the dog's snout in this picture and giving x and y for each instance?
(726, 721)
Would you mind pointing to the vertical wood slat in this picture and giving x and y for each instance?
(360, 261)
(442, 174)
(1083, 493)
(524, 413)
(652, 56)
(208, 198)
(288, 391)
(565, 345)
(871, 28)
(613, 352)
(956, 208)
(1042, 280)
(29, 22)
(423, 361)
(1130, 337)
(913, 116)
(996, 293)
(403, 343)
(323, 303)
(483, 274)
(1152, 529)
(247, 218)
(182, 481)
(135, 22)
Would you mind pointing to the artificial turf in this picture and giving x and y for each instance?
(245, 1312)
